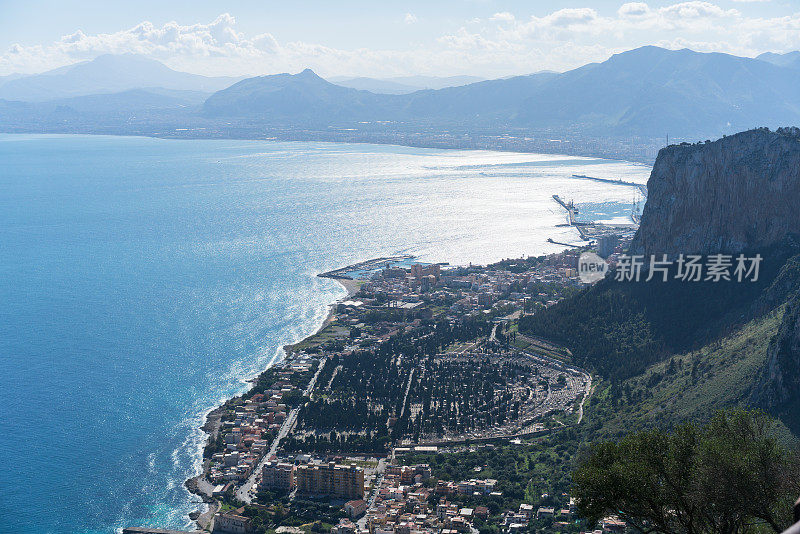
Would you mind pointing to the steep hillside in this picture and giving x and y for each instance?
(778, 384)
(738, 194)
(671, 351)
(689, 385)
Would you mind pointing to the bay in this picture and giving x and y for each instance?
(143, 280)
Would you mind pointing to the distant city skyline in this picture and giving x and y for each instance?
(477, 37)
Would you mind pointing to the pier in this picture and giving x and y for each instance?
(551, 240)
(569, 206)
(641, 187)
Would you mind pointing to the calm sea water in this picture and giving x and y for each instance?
(141, 280)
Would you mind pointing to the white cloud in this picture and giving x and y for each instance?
(634, 10)
(504, 16)
(503, 44)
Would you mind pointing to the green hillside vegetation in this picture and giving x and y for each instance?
(686, 387)
(619, 329)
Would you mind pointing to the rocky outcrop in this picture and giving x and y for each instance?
(779, 382)
(741, 192)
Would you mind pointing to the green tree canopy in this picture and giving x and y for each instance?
(729, 476)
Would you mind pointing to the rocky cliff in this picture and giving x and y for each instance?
(741, 192)
(779, 382)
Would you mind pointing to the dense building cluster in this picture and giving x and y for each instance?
(419, 356)
(248, 425)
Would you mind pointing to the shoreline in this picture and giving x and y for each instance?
(197, 485)
(611, 155)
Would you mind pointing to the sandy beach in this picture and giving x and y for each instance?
(352, 287)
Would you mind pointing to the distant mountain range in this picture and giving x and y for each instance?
(648, 92)
(106, 74)
(403, 84)
(790, 59)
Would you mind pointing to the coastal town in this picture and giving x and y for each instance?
(351, 431)
(400, 268)
(417, 362)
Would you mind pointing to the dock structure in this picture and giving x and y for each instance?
(150, 530)
(570, 207)
(553, 241)
(592, 230)
(368, 265)
(641, 187)
(571, 211)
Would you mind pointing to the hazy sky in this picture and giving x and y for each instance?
(377, 38)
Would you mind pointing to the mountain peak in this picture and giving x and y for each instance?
(308, 74)
(105, 74)
(126, 57)
(789, 59)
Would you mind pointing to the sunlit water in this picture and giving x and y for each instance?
(141, 280)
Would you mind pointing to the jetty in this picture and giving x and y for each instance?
(641, 187)
(553, 241)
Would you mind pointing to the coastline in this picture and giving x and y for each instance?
(630, 156)
(352, 287)
(197, 485)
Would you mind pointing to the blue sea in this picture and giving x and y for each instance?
(143, 280)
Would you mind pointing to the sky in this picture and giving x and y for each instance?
(485, 38)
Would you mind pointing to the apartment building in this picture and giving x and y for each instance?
(338, 481)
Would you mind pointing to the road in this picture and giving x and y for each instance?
(246, 491)
(585, 396)
(561, 365)
(362, 523)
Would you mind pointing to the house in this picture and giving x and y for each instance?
(355, 508)
(231, 523)
(612, 524)
(545, 512)
(344, 527)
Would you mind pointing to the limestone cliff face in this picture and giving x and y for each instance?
(741, 192)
